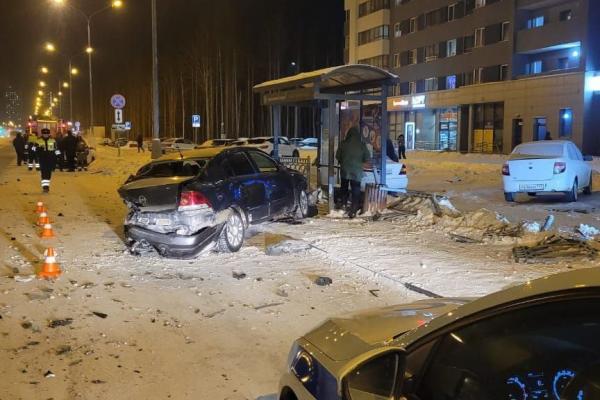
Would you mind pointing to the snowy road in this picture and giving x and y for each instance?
(190, 329)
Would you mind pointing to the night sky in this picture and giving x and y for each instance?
(265, 34)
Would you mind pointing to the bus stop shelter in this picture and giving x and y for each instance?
(325, 90)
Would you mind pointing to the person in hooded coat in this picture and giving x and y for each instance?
(19, 145)
(69, 144)
(352, 154)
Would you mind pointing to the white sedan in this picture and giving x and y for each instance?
(396, 179)
(175, 144)
(553, 166)
(265, 143)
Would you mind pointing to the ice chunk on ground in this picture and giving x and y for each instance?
(588, 231)
(532, 227)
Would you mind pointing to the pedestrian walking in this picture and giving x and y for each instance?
(401, 147)
(352, 154)
(82, 152)
(47, 152)
(32, 157)
(70, 148)
(140, 143)
(19, 145)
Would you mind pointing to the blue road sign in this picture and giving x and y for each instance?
(196, 121)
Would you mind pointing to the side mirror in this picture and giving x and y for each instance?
(379, 377)
(588, 158)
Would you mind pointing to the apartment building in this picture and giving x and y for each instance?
(486, 75)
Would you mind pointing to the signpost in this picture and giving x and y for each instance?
(117, 101)
(196, 123)
(118, 116)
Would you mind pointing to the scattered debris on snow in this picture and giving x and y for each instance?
(588, 231)
(323, 281)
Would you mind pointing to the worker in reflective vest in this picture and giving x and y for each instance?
(32, 159)
(47, 152)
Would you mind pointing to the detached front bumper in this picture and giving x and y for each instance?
(172, 245)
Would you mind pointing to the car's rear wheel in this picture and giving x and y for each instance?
(232, 235)
(302, 205)
(588, 189)
(573, 194)
(509, 197)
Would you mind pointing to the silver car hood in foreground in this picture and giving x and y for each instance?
(344, 338)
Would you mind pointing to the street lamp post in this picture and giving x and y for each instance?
(156, 150)
(89, 50)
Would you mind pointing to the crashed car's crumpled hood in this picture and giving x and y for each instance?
(343, 338)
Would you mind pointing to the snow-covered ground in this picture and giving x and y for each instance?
(220, 326)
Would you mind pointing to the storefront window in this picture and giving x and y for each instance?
(448, 129)
(488, 128)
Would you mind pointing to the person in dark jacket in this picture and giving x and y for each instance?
(47, 152)
(401, 147)
(69, 144)
(19, 145)
(140, 143)
(352, 154)
(82, 154)
(548, 136)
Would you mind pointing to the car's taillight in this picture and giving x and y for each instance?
(191, 200)
(505, 170)
(403, 170)
(559, 167)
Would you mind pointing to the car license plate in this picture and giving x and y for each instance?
(532, 187)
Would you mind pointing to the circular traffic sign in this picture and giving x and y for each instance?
(118, 101)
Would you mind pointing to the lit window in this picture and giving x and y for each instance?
(397, 30)
(396, 60)
(452, 12)
(451, 82)
(412, 87)
(451, 48)
(412, 56)
(535, 22)
(534, 67)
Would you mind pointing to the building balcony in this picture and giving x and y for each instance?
(535, 4)
(378, 18)
(553, 36)
(373, 49)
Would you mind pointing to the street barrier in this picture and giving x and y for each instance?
(301, 165)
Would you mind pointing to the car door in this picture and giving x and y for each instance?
(534, 350)
(248, 187)
(279, 185)
(583, 169)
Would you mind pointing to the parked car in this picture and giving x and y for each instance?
(309, 143)
(396, 179)
(182, 206)
(295, 141)
(175, 144)
(552, 166)
(265, 143)
(216, 143)
(533, 341)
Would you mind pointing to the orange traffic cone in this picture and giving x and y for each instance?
(50, 268)
(43, 219)
(40, 207)
(47, 232)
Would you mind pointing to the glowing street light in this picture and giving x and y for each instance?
(60, 93)
(116, 3)
(65, 85)
(44, 70)
(89, 50)
(40, 92)
(74, 71)
(50, 47)
(42, 84)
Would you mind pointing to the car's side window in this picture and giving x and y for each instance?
(283, 141)
(533, 352)
(264, 163)
(577, 153)
(241, 165)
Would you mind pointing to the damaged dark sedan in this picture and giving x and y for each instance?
(183, 204)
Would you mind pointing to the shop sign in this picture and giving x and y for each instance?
(418, 101)
(400, 103)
